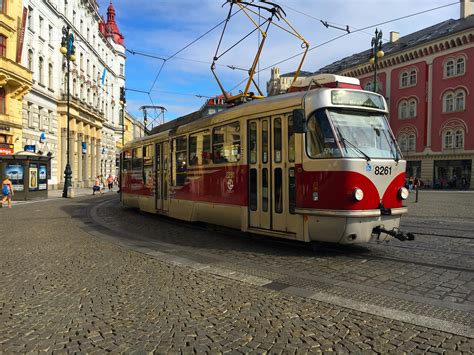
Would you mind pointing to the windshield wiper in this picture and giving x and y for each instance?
(344, 141)
(397, 158)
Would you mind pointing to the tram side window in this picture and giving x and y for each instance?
(127, 160)
(137, 159)
(291, 140)
(179, 173)
(277, 140)
(199, 148)
(226, 143)
(320, 139)
(148, 177)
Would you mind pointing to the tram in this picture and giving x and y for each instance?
(315, 165)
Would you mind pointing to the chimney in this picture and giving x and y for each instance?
(394, 36)
(466, 8)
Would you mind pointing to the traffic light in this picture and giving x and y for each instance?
(122, 94)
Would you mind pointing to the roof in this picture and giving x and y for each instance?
(429, 34)
(292, 74)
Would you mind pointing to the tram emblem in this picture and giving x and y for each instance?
(368, 168)
(230, 184)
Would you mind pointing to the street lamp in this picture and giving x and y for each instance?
(68, 51)
(122, 102)
(377, 53)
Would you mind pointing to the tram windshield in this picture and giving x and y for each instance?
(337, 133)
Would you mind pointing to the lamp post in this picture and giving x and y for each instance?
(68, 51)
(122, 102)
(377, 53)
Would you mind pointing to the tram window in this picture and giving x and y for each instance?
(277, 140)
(291, 191)
(278, 191)
(253, 190)
(137, 159)
(148, 175)
(127, 160)
(291, 140)
(265, 190)
(147, 155)
(320, 137)
(265, 141)
(226, 143)
(253, 142)
(179, 176)
(199, 148)
(158, 157)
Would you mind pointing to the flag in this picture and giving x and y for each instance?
(103, 76)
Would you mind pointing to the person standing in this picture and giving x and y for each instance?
(7, 191)
(110, 182)
(97, 186)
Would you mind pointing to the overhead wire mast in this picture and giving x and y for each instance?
(246, 7)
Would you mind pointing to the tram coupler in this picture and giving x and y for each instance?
(396, 233)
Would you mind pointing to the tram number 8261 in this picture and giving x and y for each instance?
(383, 170)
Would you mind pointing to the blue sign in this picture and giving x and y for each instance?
(30, 148)
(42, 137)
(84, 148)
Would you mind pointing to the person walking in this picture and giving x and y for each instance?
(7, 191)
(110, 182)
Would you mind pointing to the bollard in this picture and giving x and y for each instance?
(416, 195)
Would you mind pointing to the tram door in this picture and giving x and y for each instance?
(271, 174)
(161, 188)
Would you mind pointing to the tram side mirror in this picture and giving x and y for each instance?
(299, 121)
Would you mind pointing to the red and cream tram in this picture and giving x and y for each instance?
(316, 165)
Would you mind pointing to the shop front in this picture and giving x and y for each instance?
(28, 172)
(452, 174)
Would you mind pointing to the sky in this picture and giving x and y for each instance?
(163, 27)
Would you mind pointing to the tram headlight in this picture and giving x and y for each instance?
(403, 193)
(358, 194)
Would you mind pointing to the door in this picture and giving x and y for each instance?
(161, 156)
(259, 173)
(271, 160)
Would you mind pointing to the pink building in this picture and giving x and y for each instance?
(427, 78)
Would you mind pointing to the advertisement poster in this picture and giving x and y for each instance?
(43, 177)
(33, 177)
(15, 174)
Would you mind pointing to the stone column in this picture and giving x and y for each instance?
(79, 160)
(92, 159)
(87, 171)
(63, 154)
(72, 157)
(98, 156)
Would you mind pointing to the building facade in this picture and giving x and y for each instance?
(95, 78)
(428, 80)
(15, 79)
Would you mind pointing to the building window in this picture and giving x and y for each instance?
(407, 142)
(30, 18)
(81, 61)
(412, 108)
(3, 46)
(412, 79)
(40, 70)
(2, 101)
(403, 109)
(74, 87)
(41, 24)
(459, 139)
(402, 142)
(448, 102)
(404, 79)
(460, 66)
(368, 86)
(50, 76)
(459, 101)
(29, 114)
(411, 142)
(30, 59)
(121, 69)
(74, 18)
(449, 68)
(65, 8)
(448, 139)
(3, 6)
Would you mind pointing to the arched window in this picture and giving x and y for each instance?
(448, 139)
(411, 142)
(2, 101)
(460, 66)
(448, 102)
(402, 142)
(404, 79)
(449, 68)
(403, 109)
(368, 86)
(74, 87)
(50, 76)
(459, 101)
(459, 139)
(40, 70)
(81, 92)
(412, 108)
(412, 77)
(3, 44)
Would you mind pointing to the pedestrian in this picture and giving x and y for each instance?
(410, 183)
(96, 187)
(7, 191)
(110, 182)
(417, 183)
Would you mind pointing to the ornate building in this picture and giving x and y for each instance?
(95, 78)
(15, 79)
(428, 82)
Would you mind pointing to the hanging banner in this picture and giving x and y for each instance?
(21, 34)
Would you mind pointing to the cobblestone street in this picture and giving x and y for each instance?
(87, 275)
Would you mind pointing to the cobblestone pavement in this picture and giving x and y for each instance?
(70, 284)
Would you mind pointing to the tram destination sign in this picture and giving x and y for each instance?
(357, 98)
